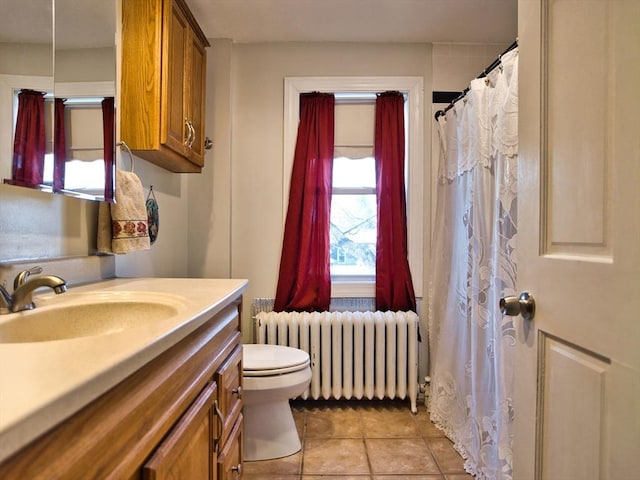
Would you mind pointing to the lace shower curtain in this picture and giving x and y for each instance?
(474, 264)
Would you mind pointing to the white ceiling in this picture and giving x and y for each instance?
(463, 21)
(467, 21)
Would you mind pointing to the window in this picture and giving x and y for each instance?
(84, 171)
(354, 194)
(353, 218)
(353, 204)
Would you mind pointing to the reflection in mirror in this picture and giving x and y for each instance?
(26, 64)
(83, 163)
(79, 125)
(84, 127)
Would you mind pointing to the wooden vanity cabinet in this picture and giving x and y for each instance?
(177, 417)
(189, 451)
(163, 83)
(229, 444)
(230, 457)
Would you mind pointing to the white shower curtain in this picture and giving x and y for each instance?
(473, 265)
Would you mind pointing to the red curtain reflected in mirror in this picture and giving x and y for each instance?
(108, 130)
(59, 145)
(29, 144)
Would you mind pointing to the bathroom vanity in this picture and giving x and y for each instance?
(159, 399)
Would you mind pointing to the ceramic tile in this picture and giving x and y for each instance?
(408, 477)
(400, 456)
(426, 427)
(336, 422)
(282, 466)
(447, 458)
(364, 440)
(262, 476)
(334, 456)
(394, 421)
(336, 477)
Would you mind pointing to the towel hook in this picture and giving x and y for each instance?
(128, 150)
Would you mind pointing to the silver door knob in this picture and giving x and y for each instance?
(523, 305)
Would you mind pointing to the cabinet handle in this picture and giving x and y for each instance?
(192, 135)
(220, 418)
(186, 142)
(237, 470)
(237, 391)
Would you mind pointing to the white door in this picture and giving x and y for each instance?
(577, 394)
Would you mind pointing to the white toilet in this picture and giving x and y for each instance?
(272, 374)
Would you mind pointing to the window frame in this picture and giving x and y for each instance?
(351, 279)
(413, 89)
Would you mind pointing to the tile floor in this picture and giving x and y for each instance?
(363, 440)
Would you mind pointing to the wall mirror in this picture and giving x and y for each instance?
(64, 51)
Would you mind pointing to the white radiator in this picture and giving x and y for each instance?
(353, 354)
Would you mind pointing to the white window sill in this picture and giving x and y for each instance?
(350, 288)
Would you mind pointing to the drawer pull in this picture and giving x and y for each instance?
(220, 418)
(237, 391)
(237, 470)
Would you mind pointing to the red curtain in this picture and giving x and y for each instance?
(108, 132)
(394, 287)
(59, 145)
(304, 281)
(29, 143)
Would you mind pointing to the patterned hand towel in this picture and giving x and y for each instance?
(122, 226)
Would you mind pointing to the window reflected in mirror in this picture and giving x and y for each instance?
(71, 157)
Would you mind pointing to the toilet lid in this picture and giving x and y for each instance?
(263, 360)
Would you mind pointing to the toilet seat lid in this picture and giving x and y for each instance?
(263, 360)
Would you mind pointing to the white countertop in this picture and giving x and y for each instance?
(43, 383)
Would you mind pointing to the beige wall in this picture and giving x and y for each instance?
(258, 72)
(36, 225)
(209, 239)
(454, 66)
(26, 59)
(227, 221)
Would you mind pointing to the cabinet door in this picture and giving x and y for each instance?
(229, 380)
(187, 452)
(195, 86)
(174, 105)
(230, 458)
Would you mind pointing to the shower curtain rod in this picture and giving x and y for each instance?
(484, 73)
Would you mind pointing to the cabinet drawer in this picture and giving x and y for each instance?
(187, 452)
(229, 380)
(230, 457)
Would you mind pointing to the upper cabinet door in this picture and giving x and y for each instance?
(163, 84)
(174, 109)
(196, 76)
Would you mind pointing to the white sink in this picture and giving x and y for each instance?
(88, 314)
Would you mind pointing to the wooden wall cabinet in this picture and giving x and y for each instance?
(163, 83)
(179, 416)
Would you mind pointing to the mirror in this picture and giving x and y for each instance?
(81, 75)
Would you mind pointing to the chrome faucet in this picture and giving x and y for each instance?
(23, 288)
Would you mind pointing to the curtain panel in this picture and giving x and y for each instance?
(304, 280)
(29, 144)
(59, 145)
(394, 287)
(108, 132)
(473, 264)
